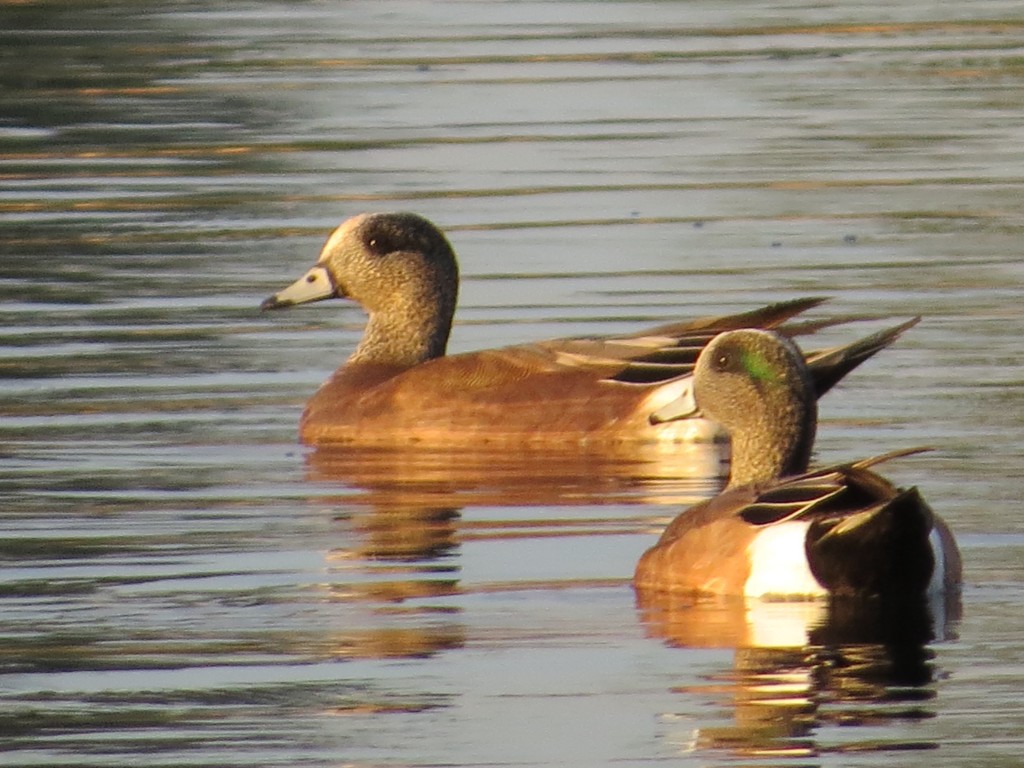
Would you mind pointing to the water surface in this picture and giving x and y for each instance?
(182, 583)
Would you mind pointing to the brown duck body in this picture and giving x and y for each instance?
(594, 392)
(856, 534)
(513, 395)
(399, 387)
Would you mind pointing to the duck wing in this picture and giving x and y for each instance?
(829, 366)
(670, 351)
(664, 352)
(830, 491)
(866, 536)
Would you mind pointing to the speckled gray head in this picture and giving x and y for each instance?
(401, 269)
(756, 385)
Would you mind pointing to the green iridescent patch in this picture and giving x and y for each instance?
(755, 364)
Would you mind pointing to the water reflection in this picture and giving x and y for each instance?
(400, 520)
(399, 511)
(181, 585)
(800, 668)
(394, 552)
(401, 477)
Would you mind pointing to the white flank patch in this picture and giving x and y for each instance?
(938, 580)
(778, 563)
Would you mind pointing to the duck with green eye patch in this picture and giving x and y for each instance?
(779, 530)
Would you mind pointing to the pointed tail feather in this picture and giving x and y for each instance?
(881, 550)
(829, 366)
(769, 316)
(898, 453)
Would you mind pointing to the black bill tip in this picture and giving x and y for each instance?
(274, 303)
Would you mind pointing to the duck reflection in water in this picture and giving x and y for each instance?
(399, 512)
(385, 553)
(392, 550)
(801, 667)
(397, 525)
(399, 477)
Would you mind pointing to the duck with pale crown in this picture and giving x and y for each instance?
(400, 388)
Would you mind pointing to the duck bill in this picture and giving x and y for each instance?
(683, 407)
(315, 285)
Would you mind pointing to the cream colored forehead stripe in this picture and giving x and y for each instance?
(339, 235)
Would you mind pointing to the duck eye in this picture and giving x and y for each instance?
(380, 244)
(723, 361)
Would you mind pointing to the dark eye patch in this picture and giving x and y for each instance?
(397, 232)
(380, 242)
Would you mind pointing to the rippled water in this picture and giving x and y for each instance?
(183, 584)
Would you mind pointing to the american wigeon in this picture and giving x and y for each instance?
(398, 387)
(778, 529)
